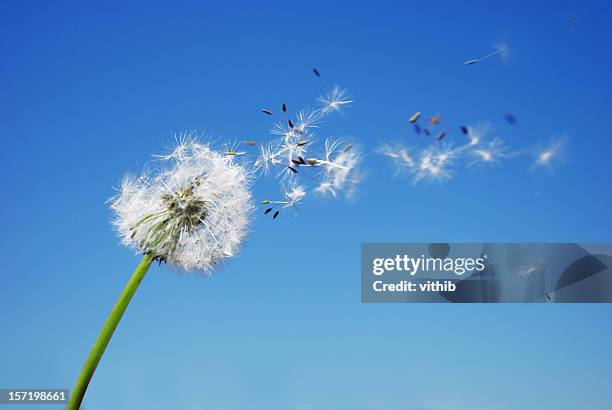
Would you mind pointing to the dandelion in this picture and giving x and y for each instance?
(334, 100)
(193, 214)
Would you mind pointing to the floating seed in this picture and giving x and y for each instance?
(441, 135)
(249, 142)
(415, 117)
(426, 131)
(265, 202)
(464, 130)
(290, 123)
(275, 214)
(267, 112)
(510, 118)
(284, 107)
(316, 72)
(292, 169)
(267, 211)
(417, 128)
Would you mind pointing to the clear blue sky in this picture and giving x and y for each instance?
(89, 92)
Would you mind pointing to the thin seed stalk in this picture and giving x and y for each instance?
(76, 396)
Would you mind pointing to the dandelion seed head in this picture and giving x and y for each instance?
(193, 213)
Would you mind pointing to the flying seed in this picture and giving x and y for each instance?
(510, 118)
(415, 117)
(284, 107)
(316, 72)
(302, 143)
(301, 160)
(267, 112)
(426, 131)
(265, 202)
(441, 135)
(249, 142)
(464, 129)
(348, 147)
(292, 169)
(232, 153)
(275, 214)
(296, 162)
(417, 128)
(267, 211)
(290, 123)
(435, 120)
(470, 62)
(311, 161)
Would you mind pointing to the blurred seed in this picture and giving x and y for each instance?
(441, 135)
(510, 118)
(292, 169)
(302, 143)
(417, 128)
(249, 142)
(464, 129)
(265, 202)
(426, 131)
(348, 147)
(268, 211)
(296, 162)
(316, 72)
(435, 120)
(284, 107)
(301, 160)
(231, 153)
(415, 117)
(267, 112)
(290, 123)
(470, 62)
(275, 214)
(311, 161)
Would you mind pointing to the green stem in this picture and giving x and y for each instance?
(76, 396)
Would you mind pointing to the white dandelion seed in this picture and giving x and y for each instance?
(478, 133)
(192, 214)
(488, 153)
(339, 169)
(548, 156)
(293, 194)
(334, 100)
(401, 157)
(500, 49)
(433, 164)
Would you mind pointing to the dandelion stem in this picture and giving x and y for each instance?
(76, 396)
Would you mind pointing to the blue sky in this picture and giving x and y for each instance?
(89, 92)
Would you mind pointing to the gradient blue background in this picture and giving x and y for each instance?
(88, 92)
